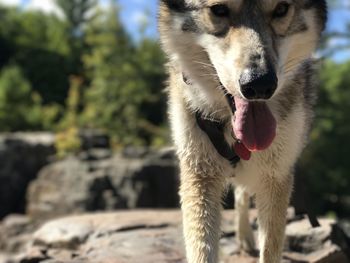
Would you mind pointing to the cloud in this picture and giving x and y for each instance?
(10, 2)
(49, 6)
(139, 18)
(104, 3)
(46, 6)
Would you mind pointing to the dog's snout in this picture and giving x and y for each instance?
(255, 84)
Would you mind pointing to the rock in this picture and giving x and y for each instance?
(98, 180)
(16, 224)
(15, 233)
(325, 244)
(22, 155)
(67, 234)
(115, 236)
(330, 254)
(302, 237)
(156, 236)
(93, 139)
(241, 259)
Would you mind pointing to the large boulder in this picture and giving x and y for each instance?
(22, 155)
(99, 180)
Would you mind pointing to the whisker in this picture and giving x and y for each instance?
(209, 75)
(291, 64)
(204, 64)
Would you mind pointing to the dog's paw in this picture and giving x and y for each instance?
(247, 243)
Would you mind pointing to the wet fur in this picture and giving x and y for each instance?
(210, 51)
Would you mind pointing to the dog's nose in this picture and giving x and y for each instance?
(258, 85)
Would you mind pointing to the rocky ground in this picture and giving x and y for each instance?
(22, 155)
(151, 236)
(46, 191)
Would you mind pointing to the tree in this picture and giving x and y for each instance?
(19, 107)
(325, 164)
(150, 67)
(126, 79)
(120, 80)
(37, 43)
(77, 14)
(110, 100)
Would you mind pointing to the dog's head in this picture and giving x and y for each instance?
(251, 46)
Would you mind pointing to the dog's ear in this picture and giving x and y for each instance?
(175, 5)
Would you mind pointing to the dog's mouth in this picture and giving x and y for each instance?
(253, 124)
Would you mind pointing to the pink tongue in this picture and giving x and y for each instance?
(254, 124)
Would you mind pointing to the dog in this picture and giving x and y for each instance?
(241, 95)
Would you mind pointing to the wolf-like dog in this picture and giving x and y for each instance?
(258, 54)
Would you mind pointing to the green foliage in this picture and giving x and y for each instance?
(124, 97)
(37, 43)
(76, 12)
(67, 139)
(120, 82)
(325, 164)
(152, 75)
(67, 142)
(71, 115)
(20, 107)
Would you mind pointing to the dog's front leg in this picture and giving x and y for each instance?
(272, 201)
(201, 208)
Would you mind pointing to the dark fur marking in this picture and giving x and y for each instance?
(175, 5)
(190, 25)
(309, 90)
(301, 87)
(221, 33)
(289, 97)
(179, 6)
(321, 7)
(297, 28)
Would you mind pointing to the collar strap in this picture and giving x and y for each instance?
(215, 132)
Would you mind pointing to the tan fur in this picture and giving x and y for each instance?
(209, 60)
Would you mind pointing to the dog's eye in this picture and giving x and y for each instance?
(220, 10)
(281, 10)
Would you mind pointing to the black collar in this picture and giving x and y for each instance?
(215, 132)
(215, 129)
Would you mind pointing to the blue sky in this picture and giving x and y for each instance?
(132, 10)
(338, 19)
